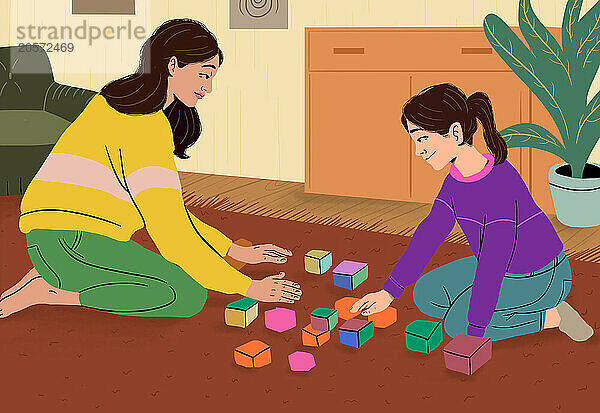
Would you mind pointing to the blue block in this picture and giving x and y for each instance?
(343, 281)
(349, 338)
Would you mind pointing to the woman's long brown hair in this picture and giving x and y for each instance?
(145, 91)
(437, 107)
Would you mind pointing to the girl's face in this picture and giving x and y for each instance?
(193, 81)
(437, 150)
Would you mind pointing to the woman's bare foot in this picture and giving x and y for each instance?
(36, 291)
(31, 274)
(552, 318)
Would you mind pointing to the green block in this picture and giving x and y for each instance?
(423, 335)
(360, 277)
(244, 304)
(324, 317)
(366, 333)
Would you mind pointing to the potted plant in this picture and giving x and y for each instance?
(561, 77)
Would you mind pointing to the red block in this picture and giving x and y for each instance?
(466, 354)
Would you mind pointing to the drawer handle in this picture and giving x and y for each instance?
(476, 50)
(348, 50)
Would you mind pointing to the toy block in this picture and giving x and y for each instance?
(385, 318)
(253, 354)
(317, 261)
(343, 306)
(356, 332)
(241, 313)
(350, 274)
(324, 319)
(466, 354)
(314, 338)
(238, 265)
(280, 319)
(423, 335)
(301, 361)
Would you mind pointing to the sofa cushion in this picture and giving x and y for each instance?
(30, 127)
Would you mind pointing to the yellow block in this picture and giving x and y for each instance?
(240, 318)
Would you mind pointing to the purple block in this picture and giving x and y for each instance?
(301, 361)
(280, 319)
(319, 323)
(349, 267)
(354, 324)
(466, 354)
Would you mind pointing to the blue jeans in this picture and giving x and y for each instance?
(445, 293)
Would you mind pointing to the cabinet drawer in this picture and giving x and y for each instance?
(402, 49)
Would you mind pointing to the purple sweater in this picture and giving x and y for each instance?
(506, 230)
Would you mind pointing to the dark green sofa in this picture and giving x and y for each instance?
(34, 112)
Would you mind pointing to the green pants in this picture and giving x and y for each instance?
(114, 276)
(445, 293)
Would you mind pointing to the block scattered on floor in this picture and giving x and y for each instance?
(423, 335)
(317, 261)
(324, 319)
(301, 361)
(343, 306)
(466, 354)
(314, 338)
(385, 318)
(280, 319)
(350, 274)
(356, 332)
(241, 313)
(253, 354)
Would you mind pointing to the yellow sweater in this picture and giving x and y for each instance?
(111, 174)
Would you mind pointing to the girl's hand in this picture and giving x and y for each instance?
(274, 289)
(373, 303)
(259, 253)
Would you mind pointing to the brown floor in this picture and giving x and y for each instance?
(287, 200)
(71, 359)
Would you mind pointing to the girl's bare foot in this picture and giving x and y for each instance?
(552, 318)
(36, 291)
(31, 274)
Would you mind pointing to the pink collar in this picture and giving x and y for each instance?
(476, 177)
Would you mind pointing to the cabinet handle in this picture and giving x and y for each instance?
(476, 50)
(348, 50)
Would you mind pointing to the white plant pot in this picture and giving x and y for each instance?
(576, 200)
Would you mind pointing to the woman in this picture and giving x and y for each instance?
(111, 173)
(518, 278)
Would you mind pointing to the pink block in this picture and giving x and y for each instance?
(280, 319)
(466, 354)
(301, 361)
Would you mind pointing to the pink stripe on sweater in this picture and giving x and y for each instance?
(152, 177)
(531, 217)
(76, 170)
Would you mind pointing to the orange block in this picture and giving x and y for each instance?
(343, 306)
(253, 354)
(314, 338)
(384, 318)
(235, 263)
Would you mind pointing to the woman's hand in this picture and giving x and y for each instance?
(274, 289)
(259, 253)
(373, 303)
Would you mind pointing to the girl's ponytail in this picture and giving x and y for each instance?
(480, 107)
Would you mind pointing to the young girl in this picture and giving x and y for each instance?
(518, 277)
(111, 173)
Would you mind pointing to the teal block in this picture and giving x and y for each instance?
(244, 304)
(423, 335)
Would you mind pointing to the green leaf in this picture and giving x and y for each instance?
(532, 136)
(588, 128)
(520, 59)
(543, 45)
(570, 17)
(586, 43)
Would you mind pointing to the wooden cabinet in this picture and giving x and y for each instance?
(358, 79)
(357, 147)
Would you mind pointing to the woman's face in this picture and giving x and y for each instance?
(193, 81)
(437, 150)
